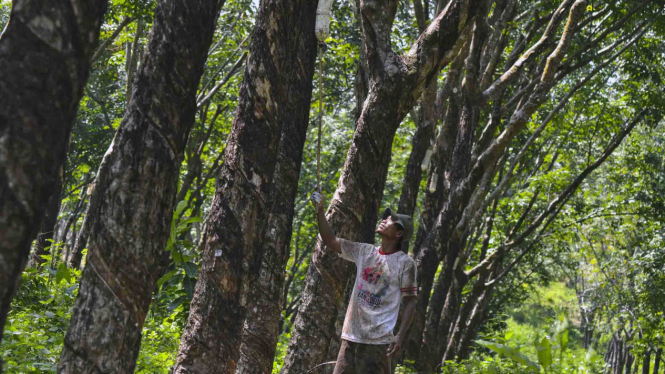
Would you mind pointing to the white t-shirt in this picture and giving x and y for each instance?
(381, 281)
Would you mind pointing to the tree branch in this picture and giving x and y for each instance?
(528, 56)
(111, 38)
(221, 83)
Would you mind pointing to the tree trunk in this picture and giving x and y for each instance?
(620, 357)
(262, 321)
(470, 317)
(135, 191)
(440, 317)
(629, 361)
(646, 361)
(435, 195)
(133, 61)
(394, 84)
(276, 89)
(47, 228)
(656, 362)
(451, 344)
(44, 64)
(261, 328)
(427, 264)
(474, 324)
(70, 224)
(420, 144)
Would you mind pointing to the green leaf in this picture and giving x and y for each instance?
(191, 269)
(564, 340)
(544, 350)
(175, 303)
(47, 301)
(188, 284)
(173, 234)
(62, 273)
(510, 353)
(177, 257)
(165, 278)
(179, 208)
(191, 220)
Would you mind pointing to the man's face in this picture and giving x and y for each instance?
(389, 229)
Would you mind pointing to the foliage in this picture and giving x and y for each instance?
(545, 340)
(39, 318)
(41, 312)
(5, 6)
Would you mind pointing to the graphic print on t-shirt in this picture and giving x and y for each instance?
(374, 285)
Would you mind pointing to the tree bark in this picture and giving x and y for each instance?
(422, 139)
(262, 321)
(44, 64)
(395, 83)
(620, 357)
(438, 327)
(47, 228)
(435, 195)
(464, 323)
(656, 362)
(629, 361)
(276, 87)
(646, 361)
(133, 62)
(135, 191)
(70, 224)
(474, 323)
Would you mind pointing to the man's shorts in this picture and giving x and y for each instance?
(358, 358)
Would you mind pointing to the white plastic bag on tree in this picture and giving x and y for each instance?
(323, 14)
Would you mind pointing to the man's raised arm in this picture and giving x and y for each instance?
(329, 238)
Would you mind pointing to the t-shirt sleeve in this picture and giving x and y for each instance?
(351, 250)
(408, 283)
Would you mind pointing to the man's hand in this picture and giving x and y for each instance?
(318, 201)
(395, 346)
(329, 238)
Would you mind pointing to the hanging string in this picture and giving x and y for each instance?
(318, 142)
(322, 30)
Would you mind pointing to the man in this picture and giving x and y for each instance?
(385, 275)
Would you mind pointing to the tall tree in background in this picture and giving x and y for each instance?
(135, 191)
(48, 225)
(44, 65)
(276, 91)
(472, 161)
(395, 82)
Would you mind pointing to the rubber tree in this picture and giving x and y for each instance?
(267, 136)
(530, 222)
(425, 119)
(48, 225)
(44, 65)
(262, 321)
(261, 327)
(473, 159)
(135, 192)
(394, 84)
